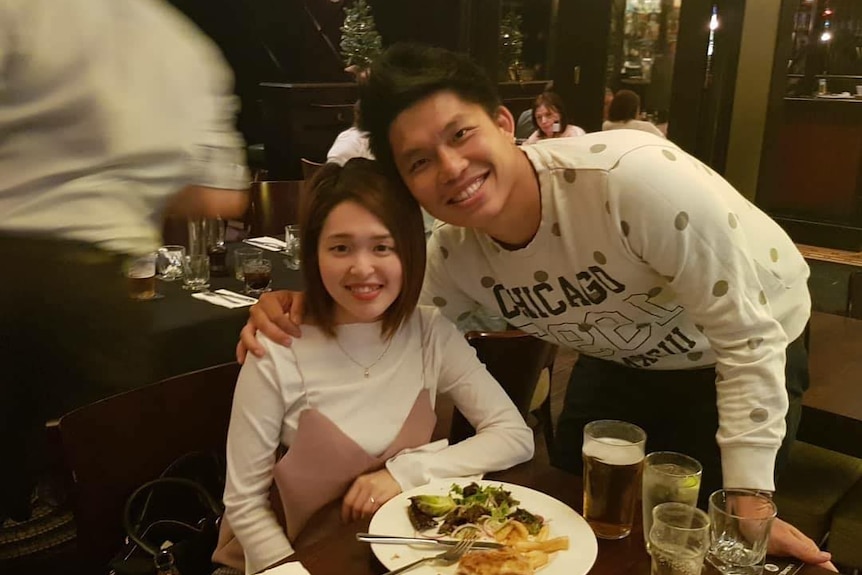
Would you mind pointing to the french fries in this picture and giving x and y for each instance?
(537, 549)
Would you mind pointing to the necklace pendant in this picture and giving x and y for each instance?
(367, 373)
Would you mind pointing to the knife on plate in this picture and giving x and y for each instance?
(395, 540)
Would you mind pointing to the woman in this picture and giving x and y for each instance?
(550, 117)
(623, 111)
(353, 399)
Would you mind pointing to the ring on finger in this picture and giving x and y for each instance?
(373, 502)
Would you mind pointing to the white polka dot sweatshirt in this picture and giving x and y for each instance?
(646, 257)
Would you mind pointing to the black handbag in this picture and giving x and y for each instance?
(180, 511)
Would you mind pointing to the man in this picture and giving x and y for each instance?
(111, 113)
(683, 299)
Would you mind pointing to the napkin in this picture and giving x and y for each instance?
(225, 298)
(267, 243)
(293, 568)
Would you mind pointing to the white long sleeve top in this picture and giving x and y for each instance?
(646, 257)
(426, 353)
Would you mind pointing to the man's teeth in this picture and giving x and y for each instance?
(469, 191)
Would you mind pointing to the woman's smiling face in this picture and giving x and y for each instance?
(359, 264)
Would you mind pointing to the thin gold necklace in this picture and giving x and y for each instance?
(366, 368)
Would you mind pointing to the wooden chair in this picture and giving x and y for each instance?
(274, 204)
(117, 444)
(516, 360)
(309, 168)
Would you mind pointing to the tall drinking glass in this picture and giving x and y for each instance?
(679, 539)
(668, 476)
(613, 454)
(740, 523)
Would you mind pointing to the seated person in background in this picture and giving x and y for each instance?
(623, 111)
(361, 382)
(549, 116)
(351, 143)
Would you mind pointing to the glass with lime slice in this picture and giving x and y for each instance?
(668, 476)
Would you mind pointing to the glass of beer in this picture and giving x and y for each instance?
(613, 455)
(679, 539)
(668, 476)
(141, 273)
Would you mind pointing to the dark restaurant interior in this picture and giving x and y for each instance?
(766, 93)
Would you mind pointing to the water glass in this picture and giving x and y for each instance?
(170, 262)
(613, 454)
(258, 275)
(679, 539)
(240, 256)
(291, 246)
(668, 476)
(740, 523)
(196, 272)
(141, 273)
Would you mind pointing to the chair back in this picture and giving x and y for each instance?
(309, 168)
(854, 295)
(274, 204)
(515, 359)
(116, 444)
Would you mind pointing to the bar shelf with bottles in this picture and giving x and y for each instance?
(811, 174)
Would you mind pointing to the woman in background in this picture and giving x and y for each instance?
(549, 116)
(353, 399)
(623, 113)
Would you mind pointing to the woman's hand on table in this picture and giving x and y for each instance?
(785, 540)
(368, 493)
(278, 315)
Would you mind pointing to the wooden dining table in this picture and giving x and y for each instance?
(340, 552)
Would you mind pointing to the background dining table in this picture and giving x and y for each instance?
(190, 334)
(340, 552)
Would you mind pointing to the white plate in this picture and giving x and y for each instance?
(391, 519)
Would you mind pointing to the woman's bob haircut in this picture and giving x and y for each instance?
(365, 183)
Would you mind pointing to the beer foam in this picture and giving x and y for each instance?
(614, 451)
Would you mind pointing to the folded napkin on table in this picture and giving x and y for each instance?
(225, 298)
(267, 243)
(293, 568)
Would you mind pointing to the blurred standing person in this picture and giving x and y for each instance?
(623, 113)
(549, 116)
(112, 113)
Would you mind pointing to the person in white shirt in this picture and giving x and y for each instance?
(112, 113)
(361, 383)
(686, 303)
(549, 116)
(623, 112)
(351, 143)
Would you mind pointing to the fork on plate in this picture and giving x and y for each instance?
(448, 557)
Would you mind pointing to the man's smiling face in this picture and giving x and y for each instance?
(456, 160)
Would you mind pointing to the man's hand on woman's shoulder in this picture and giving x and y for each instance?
(278, 315)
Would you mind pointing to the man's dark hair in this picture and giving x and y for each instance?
(624, 107)
(407, 73)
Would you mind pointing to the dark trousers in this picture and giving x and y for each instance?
(69, 335)
(677, 409)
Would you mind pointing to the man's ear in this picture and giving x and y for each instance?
(505, 121)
